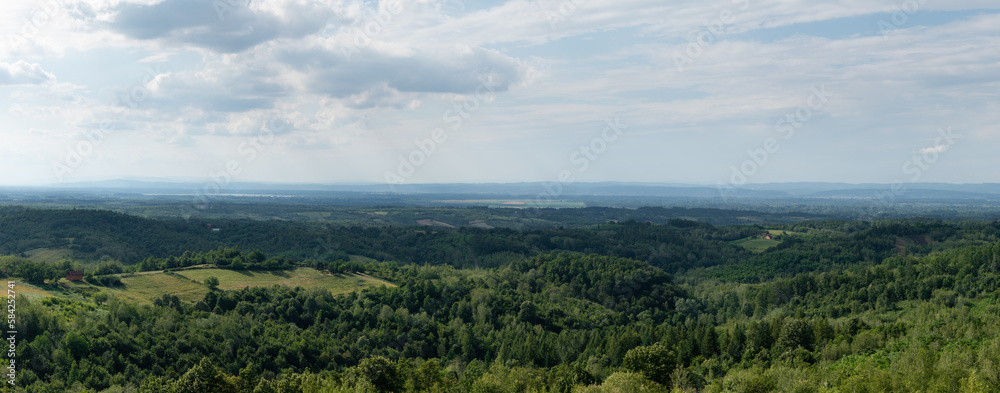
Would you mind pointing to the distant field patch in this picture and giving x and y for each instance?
(188, 284)
(144, 288)
(516, 203)
(480, 224)
(314, 215)
(430, 223)
(303, 277)
(784, 232)
(756, 244)
(48, 255)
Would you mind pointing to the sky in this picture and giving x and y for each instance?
(434, 91)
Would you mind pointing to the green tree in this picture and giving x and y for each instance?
(382, 373)
(528, 313)
(212, 282)
(77, 345)
(100, 297)
(655, 362)
(204, 377)
(625, 382)
(796, 334)
(428, 375)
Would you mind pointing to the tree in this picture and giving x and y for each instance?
(204, 377)
(428, 375)
(100, 297)
(528, 313)
(256, 257)
(626, 382)
(77, 345)
(381, 372)
(655, 362)
(212, 282)
(796, 334)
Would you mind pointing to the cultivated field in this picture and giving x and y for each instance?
(188, 284)
(756, 244)
(48, 255)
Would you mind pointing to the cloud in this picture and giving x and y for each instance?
(224, 26)
(23, 73)
(219, 87)
(454, 69)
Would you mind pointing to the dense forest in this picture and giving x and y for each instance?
(827, 306)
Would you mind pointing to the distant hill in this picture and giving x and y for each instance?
(97, 233)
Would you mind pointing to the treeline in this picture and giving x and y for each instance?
(40, 272)
(107, 273)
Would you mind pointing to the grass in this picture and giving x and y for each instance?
(48, 255)
(756, 244)
(517, 203)
(144, 288)
(784, 232)
(188, 284)
(27, 290)
(304, 277)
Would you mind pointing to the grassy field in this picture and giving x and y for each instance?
(516, 203)
(48, 255)
(304, 277)
(188, 284)
(756, 244)
(30, 291)
(784, 232)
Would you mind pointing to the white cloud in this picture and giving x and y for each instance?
(23, 73)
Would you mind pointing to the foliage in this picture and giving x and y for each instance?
(907, 305)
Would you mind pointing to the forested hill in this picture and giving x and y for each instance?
(93, 234)
(680, 245)
(824, 306)
(96, 234)
(553, 323)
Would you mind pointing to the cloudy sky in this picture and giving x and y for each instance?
(521, 90)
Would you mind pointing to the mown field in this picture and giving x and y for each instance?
(189, 285)
(48, 255)
(517, 203)
(756, 244)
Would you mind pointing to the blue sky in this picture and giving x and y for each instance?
(473, 91)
